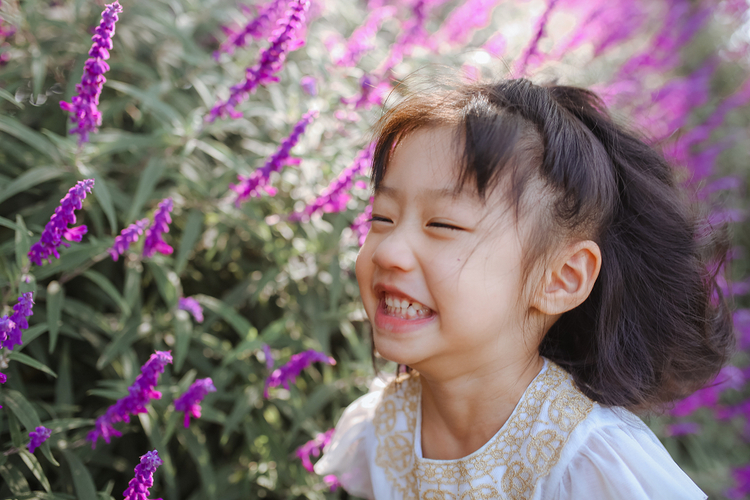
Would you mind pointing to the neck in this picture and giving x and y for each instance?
(461, 412)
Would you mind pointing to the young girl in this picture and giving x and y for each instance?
(538, 270)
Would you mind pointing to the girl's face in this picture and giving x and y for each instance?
(440, 273)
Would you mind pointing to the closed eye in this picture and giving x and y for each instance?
(443, 225)
(377, 218)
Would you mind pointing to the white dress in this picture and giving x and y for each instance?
(556, 445)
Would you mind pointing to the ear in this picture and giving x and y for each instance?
(568, 280)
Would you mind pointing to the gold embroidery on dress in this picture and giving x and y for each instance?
(525, 451)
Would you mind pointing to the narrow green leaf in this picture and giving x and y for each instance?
(12, 225)
(35, 467)
(67, 424)
(167, 282)
(16, 436)
(29, 361)
(13, 127)
(104, 197)
(240, 410)
(30, 334)
(195, 442)
(110, 289)
(82, 481)
(23, 244)
(55, 298)
(189, 237)
(22, 409)
(38, 72)
(240, 324)
(150, 102)
(14, 479)
(64, 383)
(71, 259)
(32, 178)
(183, 329)
(146, 184)
(4, 94)
(121, 342)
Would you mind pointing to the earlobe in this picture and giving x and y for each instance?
(570, 277)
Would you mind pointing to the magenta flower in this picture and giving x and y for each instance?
(11, 327)
(57, 227)
(413, 34)
(283, 40)
(361, 225)
(85, 114)
(192, 306)
(139, 395)
(336, 195)
(309, 85)
(138, 487)
(741, 489)
(128, 236)
(256, 183)
(269, 356)
(372, 93)
(154, 242)
(38, 436)
(466, 20)
(363, 38)
(730, 377)
(332, 482)
(287, 373)
(531, 55)
(257, 28)
(190, 402)
(313, 448)
(682, 429)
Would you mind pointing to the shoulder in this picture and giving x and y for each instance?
(612, 454)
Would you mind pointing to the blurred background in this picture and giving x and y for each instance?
(271, 266)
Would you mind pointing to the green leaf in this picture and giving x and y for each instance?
(27, 180)
(13, 127)
(150, 101)
(146, 183)
(64, 382)
(22, 409)
(4, 94)
(55, 298)
(16, 436)
(35, 467)
(22, 243)
(12, 225)
(167, 282)
(67, 424)
(30, 334)
(29, 361)
(38, 71)
(121, 342)
(183, 329)
(14, 479)
(71, 259)
(189, 237)
(101, 191)
(108, 288)
(195, 442)
(82, 481)
(240, 324)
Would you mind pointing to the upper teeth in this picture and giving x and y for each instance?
(405, 307)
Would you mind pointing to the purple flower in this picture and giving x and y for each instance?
(730, 377)
(742, 324)
(128, 236)
(313, 448)
(11, 326)
(742, 479)
(83, 106)
(496, 45)
(332, 481)
(465, 20)
(682, 429)
(57, 227)
(154, 242)
(190, 402)
(256, 28)
(192, 306)
(372, 93)
(287, 373)
(361, 225)
(269, 356)
(413, 33)
(336, 195)
(309, 85)
(284, 39)
(144, 477)
(362, 40)
(38, 436)
(257, 183)
(531, 54)
(139, 395)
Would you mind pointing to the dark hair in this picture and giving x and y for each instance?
(655, 327)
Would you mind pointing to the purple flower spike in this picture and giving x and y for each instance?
(139, 395)
(313, 448)
(269, 356)
(192, 306)
(257, 183)
(256, 28)
(283, 40)
(38, 436)
(286, 374)
(128, 236)
(83, 107)
(138, 487)
(190, 402)
(361, 225)
(154, 241)
(335, 196)
(362, 40)
(11, 327)
(57, 227)
(742, 479)
(531, 55)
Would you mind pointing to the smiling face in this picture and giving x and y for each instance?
(440, 272)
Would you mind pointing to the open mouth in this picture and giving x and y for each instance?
(403, 308)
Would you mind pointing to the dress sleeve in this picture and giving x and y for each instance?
(347, 455)
(625, 463)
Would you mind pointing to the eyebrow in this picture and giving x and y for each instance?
(437, 193)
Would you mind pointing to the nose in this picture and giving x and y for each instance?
(395, 250)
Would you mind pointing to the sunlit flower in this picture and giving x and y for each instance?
(128, 236)
(190, 402)
(283, 40)
(154, 242)
(85, 114)
(336, 195)
(258, 27)
(57, 227)
(11, 327)
(139, 395)
(192, 306)
(361, 225)
(138, 487)
(313, 448)
(256, 183)
(288, 373)
(362, 39)
(38, 436)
